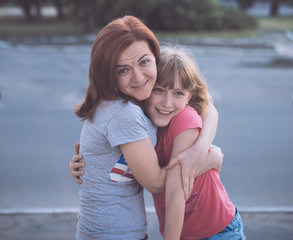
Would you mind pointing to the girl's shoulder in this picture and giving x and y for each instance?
(187, 114)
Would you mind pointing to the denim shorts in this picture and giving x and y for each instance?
(234, 231)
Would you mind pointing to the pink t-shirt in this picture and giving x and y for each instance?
(209, 209)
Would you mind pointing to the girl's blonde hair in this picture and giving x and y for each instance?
(174, 62)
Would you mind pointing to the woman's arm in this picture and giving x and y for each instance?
(192, 159)
(175, 200)
(142, 160)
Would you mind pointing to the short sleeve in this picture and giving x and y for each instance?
(128, 125)
(186, 119)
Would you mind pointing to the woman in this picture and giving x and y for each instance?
(122, 73)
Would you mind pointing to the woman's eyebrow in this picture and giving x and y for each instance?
(118, 66)
(142, 57)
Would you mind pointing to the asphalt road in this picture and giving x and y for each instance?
(252, 89)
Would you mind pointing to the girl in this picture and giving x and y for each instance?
(177, 99)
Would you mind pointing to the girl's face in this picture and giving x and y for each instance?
(136, 71)
(165, 103)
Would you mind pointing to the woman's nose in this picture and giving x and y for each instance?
(137, 75)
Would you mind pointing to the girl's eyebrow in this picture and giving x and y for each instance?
(118, 66)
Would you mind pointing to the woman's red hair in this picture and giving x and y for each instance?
(110, 42)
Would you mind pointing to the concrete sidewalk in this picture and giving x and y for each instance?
(258, 226)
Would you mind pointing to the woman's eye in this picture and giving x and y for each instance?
(122, 71)
(158, 90)
(144, 62)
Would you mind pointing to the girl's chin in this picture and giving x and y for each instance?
(162, 123)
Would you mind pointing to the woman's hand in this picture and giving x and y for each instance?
(215, 158)
(74, 165)
(194, 163)
(189, 167)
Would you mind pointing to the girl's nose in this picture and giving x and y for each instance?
(167, 100)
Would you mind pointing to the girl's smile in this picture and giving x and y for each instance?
(165, 103)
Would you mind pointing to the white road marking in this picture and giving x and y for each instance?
(278, 209)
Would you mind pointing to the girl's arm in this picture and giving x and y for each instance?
(174, 194)
(193, 158)
(142, 160)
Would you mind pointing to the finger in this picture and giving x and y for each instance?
(76, 165)
(184, 182)
(186, 188)
(77, 173)
(173, 162)
(77, 146)
(77, 180)
(190, 187)
(76, 158)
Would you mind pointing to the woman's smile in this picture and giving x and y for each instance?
(139, 87)
(137, 71)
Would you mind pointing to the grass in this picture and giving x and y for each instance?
(47, 27)
(275, 24)
(267, 24)
(17, 27)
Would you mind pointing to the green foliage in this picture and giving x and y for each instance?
(174, 15)
(245, 4)
(196, 15)
(160, 15)
(236, 20)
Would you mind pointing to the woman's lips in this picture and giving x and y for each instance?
(140, 86)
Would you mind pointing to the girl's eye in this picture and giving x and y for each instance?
(179, 93)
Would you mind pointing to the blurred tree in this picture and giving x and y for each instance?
(274, 5)
(188, 15)
(4, 1)
(166, 15)
(31, 9)
(59, 7)
(245, 4)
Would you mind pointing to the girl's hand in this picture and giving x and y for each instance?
(74, 165)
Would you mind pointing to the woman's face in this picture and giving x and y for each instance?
(165, 103)
(136, 71)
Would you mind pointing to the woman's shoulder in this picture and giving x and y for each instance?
(113, 107)
(119, 110)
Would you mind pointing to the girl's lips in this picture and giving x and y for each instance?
(164, 112)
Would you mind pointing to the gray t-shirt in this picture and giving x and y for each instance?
(111, 200)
